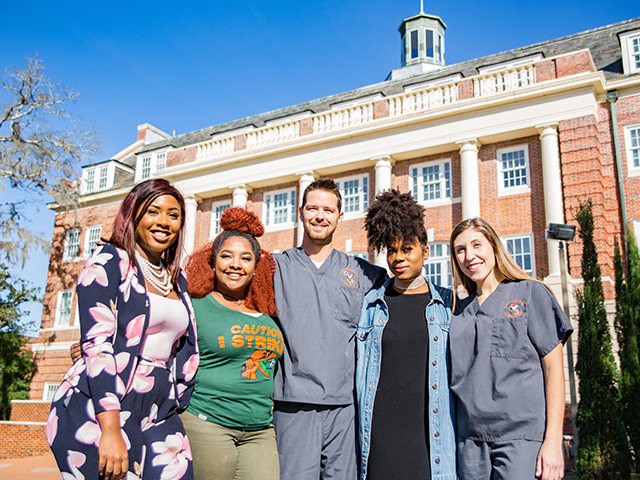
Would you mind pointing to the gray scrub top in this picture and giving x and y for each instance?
(318, 312)
(496, 373)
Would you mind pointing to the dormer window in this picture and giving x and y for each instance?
(630, 44)
(149, 163)
(96, 178)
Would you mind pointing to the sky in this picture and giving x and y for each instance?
(183, 66)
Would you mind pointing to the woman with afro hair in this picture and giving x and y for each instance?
(228, 421)
(406, 412)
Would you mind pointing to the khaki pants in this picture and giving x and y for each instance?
(221, 453)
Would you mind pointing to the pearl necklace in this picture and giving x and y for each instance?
(156, 275)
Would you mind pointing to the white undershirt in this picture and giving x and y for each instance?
(168, 321)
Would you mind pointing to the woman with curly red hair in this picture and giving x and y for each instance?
(228, 421)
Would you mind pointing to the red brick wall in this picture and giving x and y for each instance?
(628, 113)
(30, 411)
(180, 156)
(588, 171)
(20, 441)
(574, 63)
(306, 126)
(380, 109)
(545, 70)
(465, 89)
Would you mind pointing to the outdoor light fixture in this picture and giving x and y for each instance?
(560, 231)
(565, 233)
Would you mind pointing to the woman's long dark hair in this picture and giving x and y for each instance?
(133, 208)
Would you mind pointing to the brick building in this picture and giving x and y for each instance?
(519, 138)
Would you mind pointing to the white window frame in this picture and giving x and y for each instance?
(59, 304)
(268, 209)
(630, 45)
(517, 189)
(362, 201)
(215, 216)
(445, 185)
(532, 251)
(49, 391)
(636, 231)
(97, 178)
(439, 256)
(632, 145)
(72, 234)
(89, 233)
(157, 161)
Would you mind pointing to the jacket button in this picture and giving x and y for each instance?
(437, 434)
(438, 460)
(435, 410)
(434, 363)
(432, 318)
(434, 386)
(436, 338)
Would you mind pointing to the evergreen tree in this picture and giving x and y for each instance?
(627, 328)
(603, 451)
(16, 362)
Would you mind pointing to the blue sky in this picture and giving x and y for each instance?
(188, 65)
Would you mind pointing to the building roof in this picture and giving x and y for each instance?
(602, 42)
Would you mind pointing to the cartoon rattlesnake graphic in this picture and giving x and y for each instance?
(255, 362)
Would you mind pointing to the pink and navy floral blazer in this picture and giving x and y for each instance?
(114, 315)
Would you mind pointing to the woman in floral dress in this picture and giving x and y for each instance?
(114, 415)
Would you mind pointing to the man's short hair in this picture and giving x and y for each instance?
(327, 185)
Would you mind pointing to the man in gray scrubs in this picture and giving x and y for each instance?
(319, 293)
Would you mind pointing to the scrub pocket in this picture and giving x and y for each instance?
(347, 304)
(509, 337)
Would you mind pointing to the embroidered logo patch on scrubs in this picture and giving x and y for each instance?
(514, 308)
(348, 276)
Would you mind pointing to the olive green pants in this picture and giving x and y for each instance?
(221, 453)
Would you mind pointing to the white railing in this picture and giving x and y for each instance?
(418, 101)
(504, 81)
(271, 135)
(343, 118)
(402, 104)
(215, 148)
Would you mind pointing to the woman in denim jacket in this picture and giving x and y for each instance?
(410, 433)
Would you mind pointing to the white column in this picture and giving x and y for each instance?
(469, 178)
(240, 195)
(191, 207)
(552, 188)
(306, 179)
(383, 166)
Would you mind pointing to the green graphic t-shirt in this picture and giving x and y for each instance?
(238, 355)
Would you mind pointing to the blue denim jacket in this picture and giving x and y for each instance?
(373, 319)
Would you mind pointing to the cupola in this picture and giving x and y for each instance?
(422, 45)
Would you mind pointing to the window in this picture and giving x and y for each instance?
(63, 308)
(633, 149)
(91, 181)
(146, 168)
(414, 44)
(280, 208)
(102, 181)
(431, 182)
(97, 177)
(428, 36)
(161, 161)
(149, 164)
(513, 170)
(216, 211)
(71, 244)
(92, 237)
(636, 231)
(355, 195)
(520, 248)
(437, 267)
(49, 391)
(630, 44)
